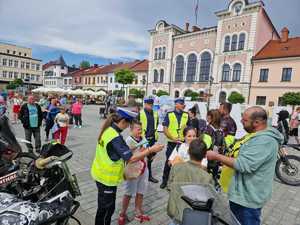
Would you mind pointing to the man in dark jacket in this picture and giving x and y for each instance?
(31, 117)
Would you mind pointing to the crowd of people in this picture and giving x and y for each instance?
(55, 113)
(197, 151)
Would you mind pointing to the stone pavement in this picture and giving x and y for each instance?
(283, 209)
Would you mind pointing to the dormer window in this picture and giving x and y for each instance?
(238, 7)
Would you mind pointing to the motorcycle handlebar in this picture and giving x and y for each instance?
(42, 163)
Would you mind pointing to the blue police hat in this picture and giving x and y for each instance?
(149, 100)
(126, 114)
(179, 100)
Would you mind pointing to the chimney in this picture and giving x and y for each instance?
(284, 35)
(187, 27)
(195, 28)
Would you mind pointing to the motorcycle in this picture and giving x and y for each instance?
(287, 166)
(35, 190)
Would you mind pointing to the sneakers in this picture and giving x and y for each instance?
(163, 185)
(80, 126)
(153, 180)
(75, 126)
(142, 218)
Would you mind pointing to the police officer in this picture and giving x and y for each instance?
(108, 166)
(174, 124)
(149, 120)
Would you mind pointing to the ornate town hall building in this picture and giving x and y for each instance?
(191, 58)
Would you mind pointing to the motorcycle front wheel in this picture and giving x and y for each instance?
(288, 170)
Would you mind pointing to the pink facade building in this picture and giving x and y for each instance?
(191, 58)
(276, 69)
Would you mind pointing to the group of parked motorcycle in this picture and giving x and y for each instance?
(35, 189)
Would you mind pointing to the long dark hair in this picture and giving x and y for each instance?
(112, 118)
(8, 139)
(215, 117)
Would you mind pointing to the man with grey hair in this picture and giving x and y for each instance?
(251, 185)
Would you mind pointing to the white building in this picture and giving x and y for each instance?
(54, 72)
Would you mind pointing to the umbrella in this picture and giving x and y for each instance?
(100, 93)
(89, 92)
(77, 92)
(40, 90)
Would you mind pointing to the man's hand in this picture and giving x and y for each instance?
(211, 155)
(156, 148)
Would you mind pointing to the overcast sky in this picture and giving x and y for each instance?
(114, 28)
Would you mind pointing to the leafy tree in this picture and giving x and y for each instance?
(161, 93)
(119, 93)
(125, 76)
(137, 93)
(84, 64)
(14, 84)
(291, 98)
(236, 97)
(194, 95)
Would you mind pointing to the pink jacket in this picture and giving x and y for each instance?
(76, 108)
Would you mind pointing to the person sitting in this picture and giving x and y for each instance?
(190, 172)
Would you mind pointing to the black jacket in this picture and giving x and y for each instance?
(24, 116)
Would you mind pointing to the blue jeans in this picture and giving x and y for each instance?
(246, 216)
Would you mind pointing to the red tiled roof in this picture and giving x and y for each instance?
(141, 66)
(277, 49)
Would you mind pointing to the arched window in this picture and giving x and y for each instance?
(164, 53)
(154, 92)
(162, 74)
(242, 41)
(222, 96)
(155, 80)
(201, 96)
(191, 68)
(227, 44)
(176, 95)
(156, 53)
(237, 69)
(234, 42)
(179, 68)
(226, 73)
(205, 66)
(159, 53)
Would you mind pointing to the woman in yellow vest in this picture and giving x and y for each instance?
(108, 166)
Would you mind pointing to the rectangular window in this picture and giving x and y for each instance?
(286, 74)
(10, 62)
(65, 81)
(16, 75)
(27, 76)
(10, 75)
(32, 66)
(4, 62)
(37, 67)
(27, 65)
(4, 74)
(32, 77)
(264, 73)
(16, 63)
(22, 65)
(261, 100)
(37, 77)
(22, 76)
(280, 102)
(98, 80)
(111, 80)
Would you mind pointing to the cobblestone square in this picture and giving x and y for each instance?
(283, 209)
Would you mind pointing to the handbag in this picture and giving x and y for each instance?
(134, 169)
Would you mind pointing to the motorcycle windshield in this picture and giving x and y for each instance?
(7, 137)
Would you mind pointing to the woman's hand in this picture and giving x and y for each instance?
(156, 148)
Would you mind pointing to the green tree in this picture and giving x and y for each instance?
(137, 93)
(161, 93)
(194, 95)
(236, 97)
(14, 84)
(291, 98)
(84, 64)
(124, 76)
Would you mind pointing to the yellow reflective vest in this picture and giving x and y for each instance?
(104, 170)
(144, 121)
(227, 172)
(176, 129)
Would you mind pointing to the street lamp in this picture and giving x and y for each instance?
(211, 80)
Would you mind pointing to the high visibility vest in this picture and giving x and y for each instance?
(227, 172)
(207, 140)
(144, 121)
(104, 170)
(175, 128)
(229, 140)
